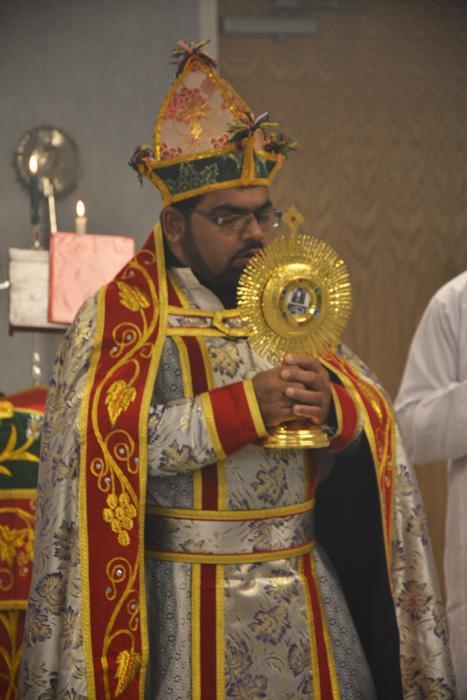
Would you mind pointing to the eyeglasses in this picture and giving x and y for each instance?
(267, 220)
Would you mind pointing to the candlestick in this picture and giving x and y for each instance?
(49, 193)
(34, 189)
(36, 370)
(81, 220)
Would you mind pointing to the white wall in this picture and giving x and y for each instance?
(99, 70)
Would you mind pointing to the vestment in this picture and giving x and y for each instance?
(243, 607)
(431, 406)
(21, 417)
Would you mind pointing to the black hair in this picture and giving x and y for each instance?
(181, 206)
(185, 204)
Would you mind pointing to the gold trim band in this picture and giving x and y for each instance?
(259, 514)
(245, 558)
(249, 534)
(13, 605)
(18, 494)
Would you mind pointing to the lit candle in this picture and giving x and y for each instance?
(34, 188)
(81, 220)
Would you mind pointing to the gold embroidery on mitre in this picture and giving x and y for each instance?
(128, 663)
(196, 109)
(120, 514)
(6, 409)
(118, 398)
(132, 298)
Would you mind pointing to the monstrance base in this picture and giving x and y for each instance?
(283, 437)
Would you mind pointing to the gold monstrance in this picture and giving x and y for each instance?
(295, 296)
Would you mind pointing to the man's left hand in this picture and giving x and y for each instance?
(314, 401)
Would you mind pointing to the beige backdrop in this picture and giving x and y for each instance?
(377, 103)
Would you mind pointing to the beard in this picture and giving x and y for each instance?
(227, 278)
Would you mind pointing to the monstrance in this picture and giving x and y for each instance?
(295, 296)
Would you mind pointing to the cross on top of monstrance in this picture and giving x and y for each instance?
(293, 219)
(295, 297)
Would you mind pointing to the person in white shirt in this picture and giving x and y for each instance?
(432, 410)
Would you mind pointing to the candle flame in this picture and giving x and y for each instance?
(80, 208)
(33, 164)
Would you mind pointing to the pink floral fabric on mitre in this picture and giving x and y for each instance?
(197, 115)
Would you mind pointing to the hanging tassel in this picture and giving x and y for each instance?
(280, 143)
(182, 53)
(247, 125)
(140, 154)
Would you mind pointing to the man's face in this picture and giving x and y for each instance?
(218, 255)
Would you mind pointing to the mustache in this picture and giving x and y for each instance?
(251, 245)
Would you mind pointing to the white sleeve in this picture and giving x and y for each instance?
(178, 438)
(432, 401)
(189, 433)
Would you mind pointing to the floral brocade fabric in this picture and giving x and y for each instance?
(266, 646)
(20, 439)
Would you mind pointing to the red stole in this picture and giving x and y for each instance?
(130, 333)
(380, 429)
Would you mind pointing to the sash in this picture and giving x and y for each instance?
(175, 534)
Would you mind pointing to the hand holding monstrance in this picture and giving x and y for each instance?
(296, 297)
